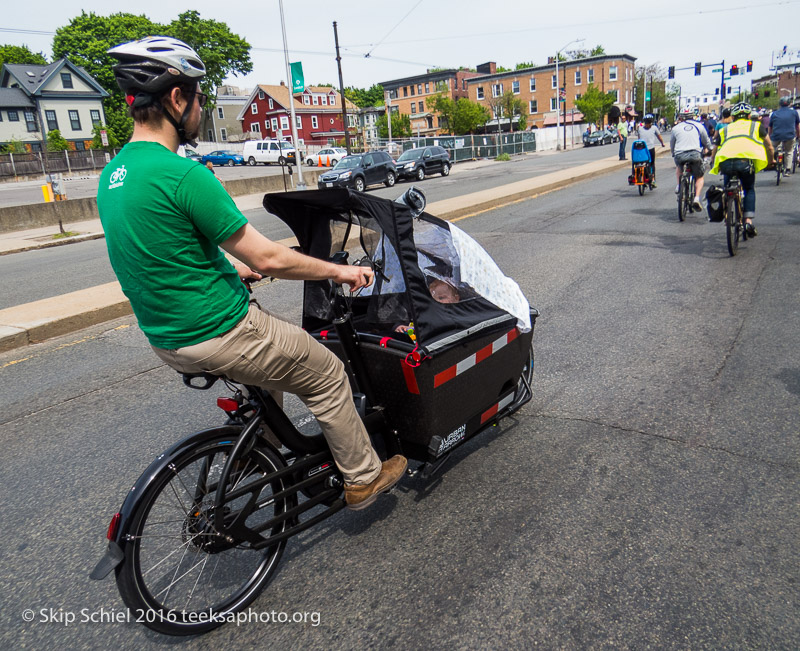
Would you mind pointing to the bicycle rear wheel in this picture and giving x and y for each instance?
(179, 576)
(641, 189)
(683, 203)
(779, 170)
(733, 224)
(794, 159)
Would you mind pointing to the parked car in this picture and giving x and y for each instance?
(417, 163)
(599, 137)
(330, 155)
(191, 154)
(360, 170)
(222, 157)
(269, 151)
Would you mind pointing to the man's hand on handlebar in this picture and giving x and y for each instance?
(353, 276)
(245, 272)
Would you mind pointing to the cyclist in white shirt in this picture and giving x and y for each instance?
(686, 144)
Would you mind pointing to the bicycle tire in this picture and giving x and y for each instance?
(733, 225)
(794, 159)
(779, 170)
(641, 189)
(156, 592)
(682, 202)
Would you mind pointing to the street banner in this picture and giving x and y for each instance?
(298, 83)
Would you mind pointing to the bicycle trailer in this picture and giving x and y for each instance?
(461, 367)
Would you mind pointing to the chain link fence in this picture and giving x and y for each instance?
(63, 162)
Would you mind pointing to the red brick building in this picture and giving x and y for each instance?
(318, 111)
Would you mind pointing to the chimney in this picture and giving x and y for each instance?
(488, 68)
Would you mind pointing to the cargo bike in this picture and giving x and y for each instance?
(642, 173)
(437, 349)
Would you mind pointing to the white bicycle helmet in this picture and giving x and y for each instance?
(152, 65)
(741, 110)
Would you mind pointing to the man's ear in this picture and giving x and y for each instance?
(175, 99)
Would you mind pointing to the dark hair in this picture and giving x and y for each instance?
(153, 111)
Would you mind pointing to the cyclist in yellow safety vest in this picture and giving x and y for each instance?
(743, 148)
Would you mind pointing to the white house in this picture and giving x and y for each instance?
(59, 96)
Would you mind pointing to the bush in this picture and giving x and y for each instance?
(56, 142)
(503, 156)
(14, 147)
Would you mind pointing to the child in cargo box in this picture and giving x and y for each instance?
(442, 292)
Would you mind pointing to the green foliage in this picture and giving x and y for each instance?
(97, 140)
(511, 105)
(585, 53)
(401, 126)
(20, 54)
(594, 104)
(524, 64)
(503, 69)
(663, 101)
(87, 37)
(363, 97)
(503, 157)
(56, 142)
(459, 117)
(14, 146)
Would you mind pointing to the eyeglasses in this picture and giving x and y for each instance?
(202, 98)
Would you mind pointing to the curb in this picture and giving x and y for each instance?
(64, 240)
(31, 323)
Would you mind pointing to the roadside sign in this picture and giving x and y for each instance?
(717, 70)
(104, 137)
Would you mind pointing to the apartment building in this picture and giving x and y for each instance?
(412, 96)
(538, 87)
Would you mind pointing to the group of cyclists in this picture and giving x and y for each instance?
(744, 142)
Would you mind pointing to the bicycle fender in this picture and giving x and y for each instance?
(146, 479)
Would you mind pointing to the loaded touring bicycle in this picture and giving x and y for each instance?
(437, 349)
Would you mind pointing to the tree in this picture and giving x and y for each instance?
(461, 116)
(20, 54)
(595, 104)
(97, 140)
(512, 107)
(87, 37)
(361, 97)
(525, 64)
(14, 146)
(445, 107)
(585, 53)
(401, 126)
(56, 142)
(653, 79)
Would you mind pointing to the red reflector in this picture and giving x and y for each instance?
(227, 404)
(112, 528)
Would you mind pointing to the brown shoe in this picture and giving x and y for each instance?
(361, 496)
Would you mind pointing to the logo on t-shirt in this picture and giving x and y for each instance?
(117, 177)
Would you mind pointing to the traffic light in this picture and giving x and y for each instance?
(698, 68)
(756, 94)
(716, 91)
(734, 71)
(671, 72)
(749, 66)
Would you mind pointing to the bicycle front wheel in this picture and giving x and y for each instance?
(683, 202)
(641, 189)
(779, 170)
(733, 225)
(179, 576)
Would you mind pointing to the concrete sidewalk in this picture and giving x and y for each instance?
(34, 322)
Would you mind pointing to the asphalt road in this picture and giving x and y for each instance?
(645, 498)
(42, 273)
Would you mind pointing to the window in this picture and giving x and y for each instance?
(30, 121)
(427, 87)
(332, 100)
(497, 90)
(553, 104)
(324, 100)
(223, 134)
(274, 124)
(298, 121)
(95, 115)
(405, 91)
(254, 108)
(533, 106)
(515, 87)
(315, 100)
(533, 84)
(306, 99)
(52, 123)
(284, 122)
(412, 90)
(590, 76)
(419, 89)
(612, 73)
(578, 96)
(13, 116)
(255, 127)
(413, 108)
(66, 80)
(260, 94)
(80, 146)
(554, 81)
(314, 123)
(421, 106)
(75, 120)
(627, 97)
(271, 104)
(616, 95)
(1, 116)
(480, 92)
(577, 77)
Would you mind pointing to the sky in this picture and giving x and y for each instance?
(383, 40)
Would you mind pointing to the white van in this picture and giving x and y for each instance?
(269, 151)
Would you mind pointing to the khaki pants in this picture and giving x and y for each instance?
(788, 149)
(268, 352)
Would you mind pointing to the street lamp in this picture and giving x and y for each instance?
(558, 93)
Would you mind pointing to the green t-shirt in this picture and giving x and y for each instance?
(164, 217)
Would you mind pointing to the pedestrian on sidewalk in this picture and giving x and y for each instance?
(622, 130)
(165, 225)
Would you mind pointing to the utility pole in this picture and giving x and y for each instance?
(301, 184)
(565, 107)
(341, 90)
